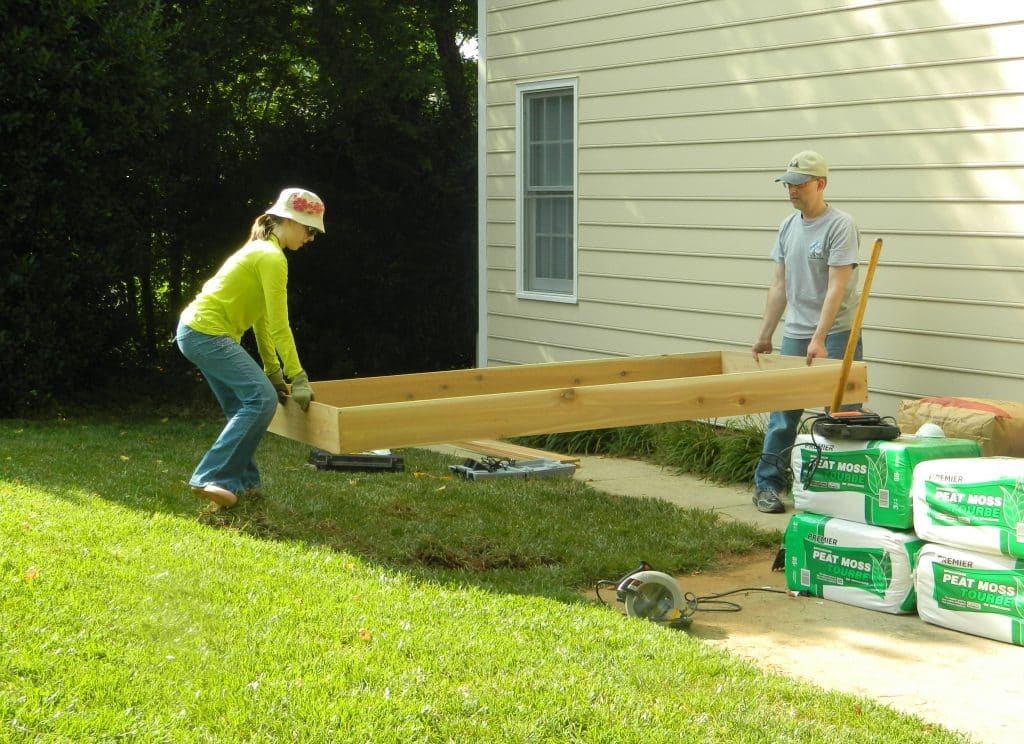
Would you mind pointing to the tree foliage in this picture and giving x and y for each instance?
(142, 138)
(77, 113)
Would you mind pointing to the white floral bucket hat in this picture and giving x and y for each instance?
(300, 205)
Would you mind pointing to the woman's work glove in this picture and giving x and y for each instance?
(302, 393)
(277, 380)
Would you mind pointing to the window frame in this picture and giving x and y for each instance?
(523, 91)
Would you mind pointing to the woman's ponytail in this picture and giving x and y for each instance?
(263, 227)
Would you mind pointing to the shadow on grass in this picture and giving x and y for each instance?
(548, 536)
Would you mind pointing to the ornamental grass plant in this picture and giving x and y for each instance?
(722, 453)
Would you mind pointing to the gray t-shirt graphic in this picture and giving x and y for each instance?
(807, 248)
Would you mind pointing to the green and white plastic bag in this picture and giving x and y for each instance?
(868, 481)
(976, 504)
(851, 562)
(971, 592)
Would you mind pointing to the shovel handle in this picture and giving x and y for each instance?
(851, 345)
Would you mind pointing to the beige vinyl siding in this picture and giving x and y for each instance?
(688, 110)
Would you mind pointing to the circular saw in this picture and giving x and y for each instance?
(656, 596)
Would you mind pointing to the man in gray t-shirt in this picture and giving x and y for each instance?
(814, 283)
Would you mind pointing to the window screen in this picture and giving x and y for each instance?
(548, 198)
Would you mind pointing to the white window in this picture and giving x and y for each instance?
(546, 193)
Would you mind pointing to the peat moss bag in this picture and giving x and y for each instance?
(850, 562)
(971, 592)
(976, 504)
(868, 481)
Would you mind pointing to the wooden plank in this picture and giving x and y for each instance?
(576, 409)
(774, 383)
(497, 448)
(490, 380)
(319, 426)
(733, 361)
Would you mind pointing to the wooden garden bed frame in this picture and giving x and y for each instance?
(360, 414)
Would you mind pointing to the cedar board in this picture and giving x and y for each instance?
(360, 414)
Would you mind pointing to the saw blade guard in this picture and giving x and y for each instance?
(655, 596)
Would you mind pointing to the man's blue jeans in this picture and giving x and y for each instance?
(248, 400)
(782, 425)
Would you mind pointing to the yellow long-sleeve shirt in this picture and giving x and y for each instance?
(250, 291)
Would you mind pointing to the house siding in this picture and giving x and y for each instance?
(688, 110)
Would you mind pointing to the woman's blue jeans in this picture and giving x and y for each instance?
(248, 400)
(782, 425)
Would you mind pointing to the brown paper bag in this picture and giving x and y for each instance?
(997, 425)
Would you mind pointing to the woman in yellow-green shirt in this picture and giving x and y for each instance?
(249, 291)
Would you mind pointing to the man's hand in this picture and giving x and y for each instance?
(816, 350)
(761, 347)
(302, 393)
(277, 380)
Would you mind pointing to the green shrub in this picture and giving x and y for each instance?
(723, 453)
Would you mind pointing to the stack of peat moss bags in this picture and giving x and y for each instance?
(852, 539)
(970, 574)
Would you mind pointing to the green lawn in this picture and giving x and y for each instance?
(389, 607)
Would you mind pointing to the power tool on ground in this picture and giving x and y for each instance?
(653, 595)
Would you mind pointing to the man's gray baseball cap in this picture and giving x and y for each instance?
(803, 167)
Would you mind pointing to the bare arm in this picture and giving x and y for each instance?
(774, 307)
(838, 279)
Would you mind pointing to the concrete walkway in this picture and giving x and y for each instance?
(644, 480)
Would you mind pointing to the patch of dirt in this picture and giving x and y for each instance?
(964, 682)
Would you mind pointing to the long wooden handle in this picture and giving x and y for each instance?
(851, 345)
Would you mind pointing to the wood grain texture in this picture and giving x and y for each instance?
(541, 399)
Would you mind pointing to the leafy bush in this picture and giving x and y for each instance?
(141, 139)
(78, 118)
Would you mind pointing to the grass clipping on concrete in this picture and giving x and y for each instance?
(386, 607)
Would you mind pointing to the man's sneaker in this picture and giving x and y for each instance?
(767, 500)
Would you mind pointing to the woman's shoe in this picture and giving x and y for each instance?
(216, 494)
